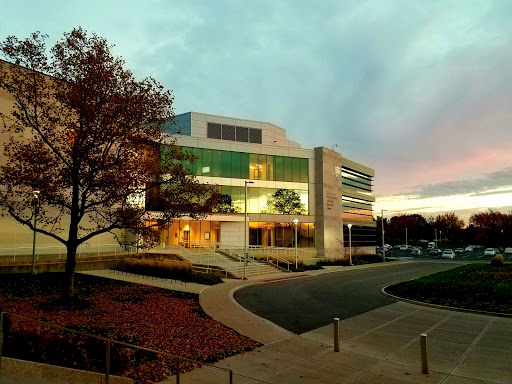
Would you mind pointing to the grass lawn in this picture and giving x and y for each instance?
(473, 286)
(150, 317)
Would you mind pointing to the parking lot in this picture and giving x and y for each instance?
(476, 254)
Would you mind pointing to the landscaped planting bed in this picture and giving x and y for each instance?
(150, 317)
(474, 286)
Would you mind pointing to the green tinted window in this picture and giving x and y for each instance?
(244, 165)
(304, 171)
(270, 168)
(295, 169)
(235, 165)
(198, 153)
(225, 164)
(216, 161)
(187, 164)
(206, 169)
(287, 169)
(262, 161)
(254, 167)
(279, 168)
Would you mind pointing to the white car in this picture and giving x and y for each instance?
(490, 252)
(469, 248)
(508, 251)
(404, 248)
(448, 254)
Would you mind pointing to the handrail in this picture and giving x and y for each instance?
(108, 342)
(60, 251)
(210, 259)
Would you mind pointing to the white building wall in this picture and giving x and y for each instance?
(232, 233)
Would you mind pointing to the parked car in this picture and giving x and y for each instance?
(435, 251)
(431, 245)
(448, 254)
(508, 251)
(416, 252)
(387, 248)
(404, 248)
(490, 252)
(459, 250)
(469, 248)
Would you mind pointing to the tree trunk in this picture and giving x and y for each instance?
(69, 279)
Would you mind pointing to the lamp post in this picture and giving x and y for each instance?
(245, 230)
(382, 225)
(350, 242)
(295, 221)
(406, 236)
(440, 237)
(36, 201)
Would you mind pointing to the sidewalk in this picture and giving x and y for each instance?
(380, 346)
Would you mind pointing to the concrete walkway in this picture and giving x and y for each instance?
(380, 346)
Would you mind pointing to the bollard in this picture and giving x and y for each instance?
(1, 337)
(107, 361)
(424, 357)
(336, 334)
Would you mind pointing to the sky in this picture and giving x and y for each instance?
(420, 91)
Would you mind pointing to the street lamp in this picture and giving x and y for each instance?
(295, 221)
(405, 236)
(245, 230)
(350, 242)
(36, 197)
(382, 225)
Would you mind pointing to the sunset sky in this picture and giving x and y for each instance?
(420, 91)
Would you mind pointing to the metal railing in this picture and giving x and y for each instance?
(60, 252)
(206, 257)
(108, 342)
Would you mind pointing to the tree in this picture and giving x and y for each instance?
(285, 202)
(89, 137)
(225, 204)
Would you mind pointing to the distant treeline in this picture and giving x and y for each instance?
(490, 228)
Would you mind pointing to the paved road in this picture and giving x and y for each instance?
(303, 304)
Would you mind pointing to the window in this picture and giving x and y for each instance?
(225, 164)
(228, 132)
(254, 135)
(242, 134)
(213, 131)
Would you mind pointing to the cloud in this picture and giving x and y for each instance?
(492, 183)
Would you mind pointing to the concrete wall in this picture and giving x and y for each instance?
(328, 212)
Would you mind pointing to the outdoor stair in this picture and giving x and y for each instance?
(207, 258)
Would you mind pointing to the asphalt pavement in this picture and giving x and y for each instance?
(302, 305)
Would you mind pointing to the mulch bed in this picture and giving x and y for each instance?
(167, 321)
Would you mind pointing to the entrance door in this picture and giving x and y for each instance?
(186, 239)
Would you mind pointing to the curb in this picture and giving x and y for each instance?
(445, 307)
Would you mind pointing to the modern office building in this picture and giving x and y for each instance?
(329, 191)
(236, 154)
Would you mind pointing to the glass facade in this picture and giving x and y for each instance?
(358, 210)
(193, 233)
(362, 236)
(356, 181)
(282, 234)
(256, 198)
(238, 165)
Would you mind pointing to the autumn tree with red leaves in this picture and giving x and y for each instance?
(89, 137)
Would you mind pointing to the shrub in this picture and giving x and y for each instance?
(165, 269)
(497, 261)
